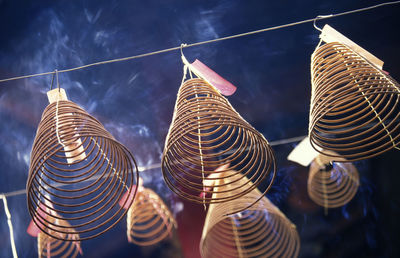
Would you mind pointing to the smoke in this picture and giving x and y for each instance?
(177, 207)
(52, 48)
(345, 212)
(205, 29)
(281, 187)
(140, 139)
(92, 18)
(55, 41)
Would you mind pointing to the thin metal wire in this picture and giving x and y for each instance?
(58, 83)
(52, 81)
(158, 165)
(204, 42)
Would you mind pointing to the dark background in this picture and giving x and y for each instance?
(134, 100)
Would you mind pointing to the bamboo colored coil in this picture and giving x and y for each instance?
(260, 231)
(206, 133)
(52, 247)
(332, 187)
(354, 105)
(78, 172)
(149, 220)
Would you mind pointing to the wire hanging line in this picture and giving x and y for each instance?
(158, 165)
(319, 17)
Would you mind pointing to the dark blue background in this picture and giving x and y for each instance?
(134, 100)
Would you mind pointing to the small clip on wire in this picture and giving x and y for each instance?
(318, 18)
(315, 25)
(58, 84)
(184, 60)
(52, 79)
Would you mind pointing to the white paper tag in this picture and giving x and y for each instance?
(56, 94)
(304, 153)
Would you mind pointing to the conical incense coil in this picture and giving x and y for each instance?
(84, 187)
(206, 133)
(149, 220)
(52, 247)
(332, 185)
(260, 231)
(354, 105)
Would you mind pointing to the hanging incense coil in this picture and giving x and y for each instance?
(52, 247)
(260, 231)
(83, 187)
(206, 133)
(149, 220)
(354, 105)
(332, 185)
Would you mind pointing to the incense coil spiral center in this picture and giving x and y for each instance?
(78, 172)
(333, 187)
(354, 105)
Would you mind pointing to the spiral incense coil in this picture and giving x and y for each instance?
(52, 247)
(332, 186)
(84, 187)
(206, 133)
(260, 231)
(149, 220)
(354, 105)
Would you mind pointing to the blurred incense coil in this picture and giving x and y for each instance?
(260, 231)
(206, 133)
(332, 185)
(149, 220)
(52, 247)
(354, 105)
(84, 189)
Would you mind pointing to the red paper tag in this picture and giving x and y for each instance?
(33, 230)
(226, 88)
(126, 201)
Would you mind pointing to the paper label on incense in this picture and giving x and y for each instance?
(303, 153)
(74, 151)
(225, 87)
(56, 94)
(127, 198)
(32, 229)
(330, 35)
